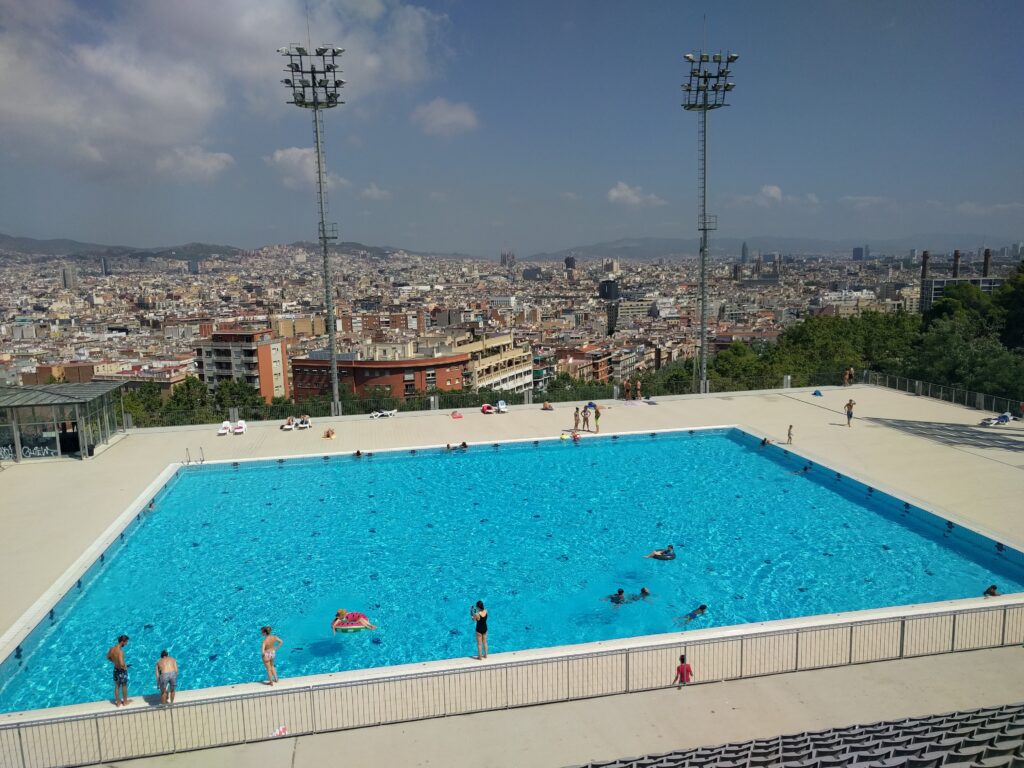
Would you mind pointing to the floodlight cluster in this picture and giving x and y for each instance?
(709, 80)
(314, 78)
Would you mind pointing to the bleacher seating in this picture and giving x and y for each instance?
(981, 738)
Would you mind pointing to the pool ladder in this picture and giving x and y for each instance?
(200, 460)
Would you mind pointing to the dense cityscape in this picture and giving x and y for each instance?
(410, 324)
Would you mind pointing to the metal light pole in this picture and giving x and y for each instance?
(314, 80)
(705, 90)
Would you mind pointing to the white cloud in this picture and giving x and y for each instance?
(971, 208)
(297, 168)
(864, 202)
(441, 117)
(570, 196)
(106, 92)
(373, 192)
(772, 196)
(193, 163)
(623, 194)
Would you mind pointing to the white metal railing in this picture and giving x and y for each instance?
(562, 675)
(955, 395)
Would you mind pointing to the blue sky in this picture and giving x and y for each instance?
(475, 127)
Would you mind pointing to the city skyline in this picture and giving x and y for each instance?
(539, 127)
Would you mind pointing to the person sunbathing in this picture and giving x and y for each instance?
(329, 433)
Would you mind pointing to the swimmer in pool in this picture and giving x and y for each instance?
(643, 594)
(668, 553)
(700, 610)
(618, 598)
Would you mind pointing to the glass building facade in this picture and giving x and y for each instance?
(58, 419)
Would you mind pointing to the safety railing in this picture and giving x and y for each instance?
(955, 395)
(561, 675)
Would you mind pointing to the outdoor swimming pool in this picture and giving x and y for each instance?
(541, 531)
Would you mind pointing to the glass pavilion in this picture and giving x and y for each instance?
(58, 419)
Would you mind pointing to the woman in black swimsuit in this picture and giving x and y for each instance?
(480, 617)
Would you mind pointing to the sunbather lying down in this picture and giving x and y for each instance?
(994, 421)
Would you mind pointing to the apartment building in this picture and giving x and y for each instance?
(255, 356)
(390, 369)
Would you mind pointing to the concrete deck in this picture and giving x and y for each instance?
(925, 450)
(556, 735)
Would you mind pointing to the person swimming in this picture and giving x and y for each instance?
(643, 594)
(668, 553)
(700, 610)
(992, 591)
(617, 598)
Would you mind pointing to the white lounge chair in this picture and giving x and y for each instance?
(288, 425)
(303, 424)
(502, 406)
(225, 428)
(383, 414)
(239, 428)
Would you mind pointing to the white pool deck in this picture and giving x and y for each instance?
(924, 450)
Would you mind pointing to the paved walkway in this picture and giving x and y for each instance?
(635, 724)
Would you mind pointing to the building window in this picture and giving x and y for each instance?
(410, 389)
(409, 377)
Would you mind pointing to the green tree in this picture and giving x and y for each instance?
(1010, 299)
(739, 366)
(969, 300)
(953, 352)
(144, 403)
(189, 403)
(235, 393)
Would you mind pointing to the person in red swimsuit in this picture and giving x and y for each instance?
(684, 672)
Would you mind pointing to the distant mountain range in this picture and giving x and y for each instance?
(76, 249)
(633, 249)
(647, 248)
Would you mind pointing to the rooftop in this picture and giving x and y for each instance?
(54, 394)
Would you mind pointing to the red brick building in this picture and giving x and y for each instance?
(311, 377)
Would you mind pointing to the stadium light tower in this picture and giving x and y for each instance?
(705, 90)
(314, 81)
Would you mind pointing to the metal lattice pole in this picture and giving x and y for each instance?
(314, 80)
(705, 90)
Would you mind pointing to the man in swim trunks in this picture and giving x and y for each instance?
(167, 677)
(700, 610)
(268, 652)
(849, 411)
(116, 657)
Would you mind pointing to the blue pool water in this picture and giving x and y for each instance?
(540, 532)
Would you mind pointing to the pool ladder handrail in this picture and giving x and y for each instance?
(201, 460)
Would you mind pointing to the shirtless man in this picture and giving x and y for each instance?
(268, 652)
(116, 657)
(167, 677)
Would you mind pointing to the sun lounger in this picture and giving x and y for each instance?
(225, 428)
(239, 428)
(502, 406)
(303, 424)
(384, 414)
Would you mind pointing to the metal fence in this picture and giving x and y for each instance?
(559, 676)
(955, 395)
